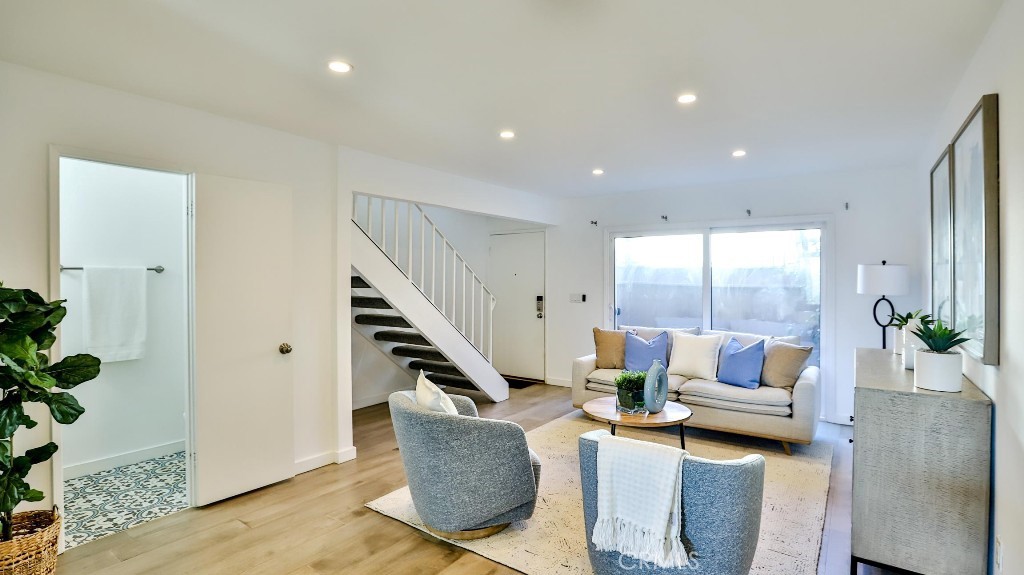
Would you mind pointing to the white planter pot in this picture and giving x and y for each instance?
(897, 340)
(938, 371)
(910, 347)
(911, 343)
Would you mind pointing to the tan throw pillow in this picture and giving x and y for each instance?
(694, 356)
(783, 363)
(611, 348)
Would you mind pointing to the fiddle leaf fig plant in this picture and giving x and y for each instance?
(27, 330)
(939, 338)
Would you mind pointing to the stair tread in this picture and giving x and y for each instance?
(430, 363)
(370, 302)
(358, 282)
(405, 337)
(382, 320)
(428, 353)
(443, 367)
(457, 381)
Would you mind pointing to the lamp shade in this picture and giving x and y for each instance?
(883, 279)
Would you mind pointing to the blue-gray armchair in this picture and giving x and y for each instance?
(721, 514)
(469, 477)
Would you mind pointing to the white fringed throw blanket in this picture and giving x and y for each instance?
(639, 502)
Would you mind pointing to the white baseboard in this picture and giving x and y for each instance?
(317, 461)
(559, 382)
(105, 463)
(325, 458)
(346, 454)
(842, 420)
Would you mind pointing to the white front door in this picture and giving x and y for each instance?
(515, 275)
(243, 418)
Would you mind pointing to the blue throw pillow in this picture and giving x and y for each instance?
(741, 366)
(640, 353)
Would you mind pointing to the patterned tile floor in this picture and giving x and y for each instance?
(116, 499)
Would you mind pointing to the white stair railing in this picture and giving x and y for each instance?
(421, 251)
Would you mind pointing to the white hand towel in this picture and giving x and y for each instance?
(114, 303)
(639, 502)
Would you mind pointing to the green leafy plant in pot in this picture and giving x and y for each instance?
(27, 330)
(939, 367)
(904, 321)
(629, 391)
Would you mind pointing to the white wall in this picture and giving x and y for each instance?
(885, 212)
(470, 234)
(374, 375)
(998, 67)
(371, 174)
(38, 109)
(119, 216)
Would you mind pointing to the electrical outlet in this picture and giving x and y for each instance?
(999, 555)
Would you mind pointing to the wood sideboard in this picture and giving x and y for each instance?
(921, 472)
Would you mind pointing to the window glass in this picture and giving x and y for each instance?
(659, 280)
(768, 282)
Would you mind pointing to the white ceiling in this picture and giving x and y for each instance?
(803, 85)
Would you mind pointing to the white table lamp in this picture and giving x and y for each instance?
(883, 280)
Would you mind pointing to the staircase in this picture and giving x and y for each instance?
(415, 297)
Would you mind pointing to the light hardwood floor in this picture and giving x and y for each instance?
(316, 524)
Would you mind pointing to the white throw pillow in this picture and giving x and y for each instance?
(431, 397)
(695, 356)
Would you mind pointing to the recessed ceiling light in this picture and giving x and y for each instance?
(687, 98)
(597, 171)
(507, 134)
(739, 153)
(340, 67)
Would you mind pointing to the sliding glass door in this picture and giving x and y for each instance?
(754, 280)
(768, 283)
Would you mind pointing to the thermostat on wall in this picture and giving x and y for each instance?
(577, 297)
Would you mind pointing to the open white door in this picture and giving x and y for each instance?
(243, 418)
(516, 277)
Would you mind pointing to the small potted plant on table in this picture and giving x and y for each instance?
(940, 367)
(629, 391)
(903, 324)
(28, 540)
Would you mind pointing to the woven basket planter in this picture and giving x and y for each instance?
(33, 551)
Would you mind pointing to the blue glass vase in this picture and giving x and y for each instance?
(656, 387)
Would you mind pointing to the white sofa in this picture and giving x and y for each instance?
(789, 415)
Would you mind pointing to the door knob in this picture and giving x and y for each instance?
(285, 348)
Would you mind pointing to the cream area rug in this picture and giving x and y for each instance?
(553, 541)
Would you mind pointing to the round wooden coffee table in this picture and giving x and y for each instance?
(603, 409)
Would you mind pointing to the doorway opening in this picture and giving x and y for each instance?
(124, 252)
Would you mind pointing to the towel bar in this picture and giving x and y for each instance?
(157, 269)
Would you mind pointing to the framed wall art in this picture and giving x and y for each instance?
(974, 155)
(942, 238)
